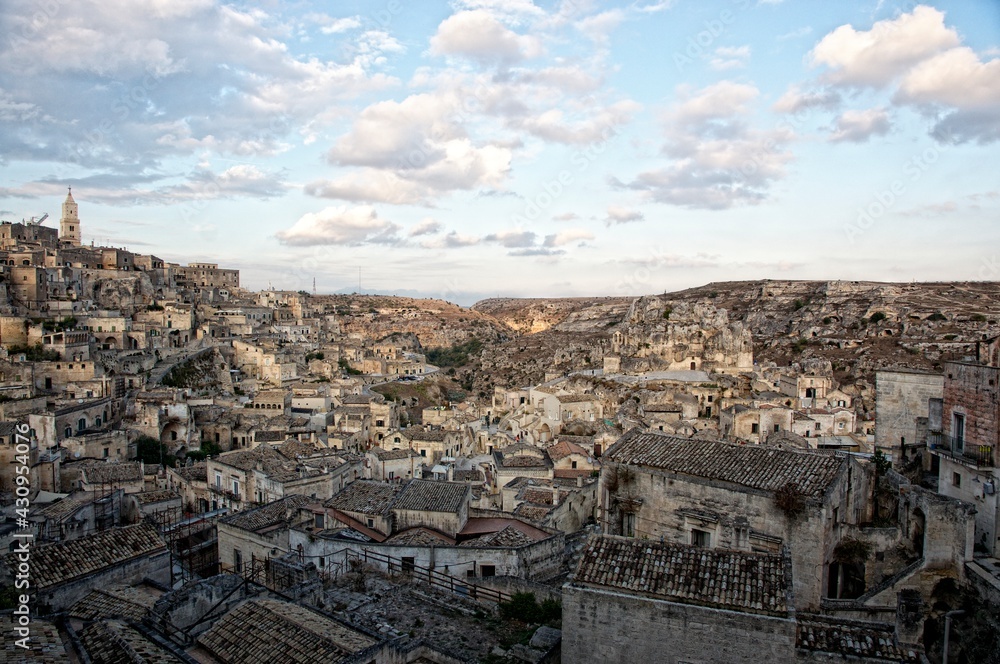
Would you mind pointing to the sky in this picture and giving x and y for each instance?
(482, 148)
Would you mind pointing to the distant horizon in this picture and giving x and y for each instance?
(464, 148)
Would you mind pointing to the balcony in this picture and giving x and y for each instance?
(964, 451)
(222, 491)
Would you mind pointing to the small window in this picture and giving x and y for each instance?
(319, 523)
(777, 428)
(487, 570)
(754, 428)
(574, 464)
(701, 538)
(956, 480)
(371, 523)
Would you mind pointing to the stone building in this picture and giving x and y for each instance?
(739, 497)
(968, 447)
(903, 398)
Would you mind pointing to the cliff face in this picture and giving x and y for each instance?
(126, 294)
(660, 335)
(856, 327)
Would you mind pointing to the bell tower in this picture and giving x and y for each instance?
(69, 225)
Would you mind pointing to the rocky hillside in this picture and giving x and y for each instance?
(434, 323)
(857, 326)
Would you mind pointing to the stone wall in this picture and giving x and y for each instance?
(607, 626)
(901, 397)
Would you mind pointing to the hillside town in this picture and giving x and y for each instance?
(191, 471)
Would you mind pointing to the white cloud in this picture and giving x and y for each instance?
(339, 225)
(730, 57)
(598, 27)
(478, 34)
(716, 159)
(452, 240)
(566, 216)
(552, 125)
(876, 57)
(955, 78)
(567, 237)
(795, 100)
(859, 126)
(622, 215)
(426, 226)
(338, 25)
(512, 239)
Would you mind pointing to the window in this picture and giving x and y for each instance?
(817, 426)
(958, 431)
(574, 464)
(423, 453)
(628, 525)
(371, 523)
(754, 428)
(236, 487)
(218, 479)
(237, 560)
(956, 480)
(701, 538)
(487, 570)
(105, 453)
(319, 521)
(777, 428)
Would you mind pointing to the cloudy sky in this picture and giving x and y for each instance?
(509, 147)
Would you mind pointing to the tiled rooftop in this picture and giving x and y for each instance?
(752, 466)
(46, 644)
(365, 497)
(273, 631)
(100, 604)
(267, 515)
(851, 639)
(62, 561)
(196, 472)
(425, 496)
(420, 537)
(420, 434)
(393, 455)
(750, 582)
(508, 537)
(101, 472)
(150, 497)
(117, 642)
(469, 476)
(60, 509)
(565, 448)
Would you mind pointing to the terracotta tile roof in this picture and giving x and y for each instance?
(749, 582)
(420, 537)
(533, 512)
(268, 515)
(273, 631)
(56, 563)
(365, 497)
(851, 639)
(525, 461)
(432, 436)
(425, 496)
(150, 497)
(116, 642)
(46, 646)
(508, 537)
(61, 509)
(469, 476)
(100, 604)
(293, 447)
(565, 448)
(196, 472)
(392, 455)
(575, 398)
(753, 466)
(99, 472)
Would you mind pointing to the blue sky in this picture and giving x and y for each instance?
(479, 147)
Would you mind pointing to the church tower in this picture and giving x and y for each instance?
(69, 225)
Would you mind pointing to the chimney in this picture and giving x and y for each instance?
(451, 473)
(555, 495)
(579, 481)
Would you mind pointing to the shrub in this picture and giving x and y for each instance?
(790, 499)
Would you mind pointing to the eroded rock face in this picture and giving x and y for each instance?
(126, 294)
(661, 335)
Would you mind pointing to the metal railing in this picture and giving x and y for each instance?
(961, 449)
